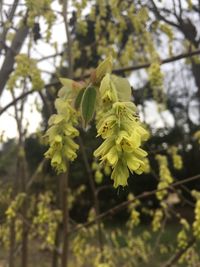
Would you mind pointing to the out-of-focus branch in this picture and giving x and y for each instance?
(13, 102)
(64, 177)
(50, 56)
(159, 16)
(69, 40)
(124, 204)
(94, 192)
(120, 70)
(15, 48)
(9, 19)
(174, 259)
(162, 61)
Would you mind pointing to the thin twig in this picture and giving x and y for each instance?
(162, 62)
(126, 203)
(94, 192)
(174, 259)
(69, 40)
(131, 68)
(64, 177)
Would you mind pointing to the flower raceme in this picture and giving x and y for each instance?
(165, 175)
(122, 132)
(108, 97)
(60, 135)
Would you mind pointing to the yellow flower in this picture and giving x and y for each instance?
(60, 136)
(107, 89)
(123, 136)
(127, 142)
(165, 176)
(120, 174)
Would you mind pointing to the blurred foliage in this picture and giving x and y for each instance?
(167, 100)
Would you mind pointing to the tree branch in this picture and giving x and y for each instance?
(9, 19)
(162, 62)
(64, 177)
(174, 259)
(131, 68)
(9, 60)
(69, 41)
(124, 204)
(159, 16)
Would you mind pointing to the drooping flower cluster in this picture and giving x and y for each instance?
(46, 220)
(108, 97)
(60, 135)
(157, 219)
(196, 223)
(165, 176)
(156, 82)
(26, 68)
(15, 205)
(182, 237)
(134, 218)
(176, 158)
(62, 129)
(99, 171)
(122, 134)
(197, 136)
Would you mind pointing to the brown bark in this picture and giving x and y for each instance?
(94, 193)
(65, 222)
(8, 64)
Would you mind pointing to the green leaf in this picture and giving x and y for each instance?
(123, 88)
(88, 104)
(78, 99)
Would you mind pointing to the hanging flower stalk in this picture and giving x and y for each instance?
(62, 129)
(108, 98)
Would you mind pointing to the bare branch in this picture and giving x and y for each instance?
(2, 110)
(50, 56)
(9, 19)
(64, 177)
(120, 70)
(124, 204)
(159, 16)
(162, 62)
(69, 40)
(9, 60)
(174, 259)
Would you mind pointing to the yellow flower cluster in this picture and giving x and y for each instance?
(156, 81)
(15, 205)
(99, 171)
(147, 167)
(165, 176)
(182, 237)
(5, 235)
(157, 219)
(176, 158)
(196, 223)
(134, 218)
(60, 135)
(122, 134)
(42, 8)
(169, 32)
(46, 218)
(26, 68)
(197, 136)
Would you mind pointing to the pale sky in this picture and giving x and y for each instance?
(32, 116)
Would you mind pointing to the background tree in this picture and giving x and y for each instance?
(156, 45)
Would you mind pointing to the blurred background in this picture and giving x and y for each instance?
(156, 46)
